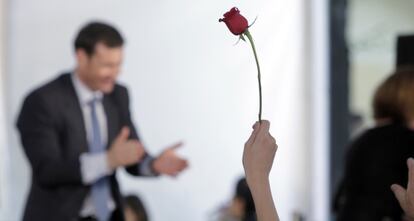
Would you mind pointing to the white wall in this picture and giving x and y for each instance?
(3, 141)
(187, 82)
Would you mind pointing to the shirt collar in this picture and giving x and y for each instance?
(85, 94)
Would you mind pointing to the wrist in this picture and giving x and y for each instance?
(154, 166)
(257, 180)
(259, 188)
(111, 160)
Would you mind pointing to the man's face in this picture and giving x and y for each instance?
(100, 70)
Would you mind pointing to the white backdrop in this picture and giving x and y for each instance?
(188, 81)
(3, 141)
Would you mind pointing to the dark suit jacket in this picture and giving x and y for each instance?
(53, 135)
(375, 161)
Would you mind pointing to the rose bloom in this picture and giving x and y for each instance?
(236, 23)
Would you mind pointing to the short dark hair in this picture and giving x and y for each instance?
(243, 193)
(97, 32)
(137, 206)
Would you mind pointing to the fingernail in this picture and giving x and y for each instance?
(410, 162)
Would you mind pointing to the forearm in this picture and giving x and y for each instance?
(262, 196)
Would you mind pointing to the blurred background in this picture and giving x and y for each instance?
(321, 61)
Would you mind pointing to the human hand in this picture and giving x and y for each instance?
(259, 153)
(406, 196)
(169, 163)
(124, 152)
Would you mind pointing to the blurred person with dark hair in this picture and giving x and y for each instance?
(244, 199)
(134, 209)
(376, 159)
(384, 104)
(76, 130)
(241, 207)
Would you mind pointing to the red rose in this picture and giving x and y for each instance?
(236, 23)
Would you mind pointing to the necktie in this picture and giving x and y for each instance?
(100, 189)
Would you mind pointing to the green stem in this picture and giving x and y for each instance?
(249, 36)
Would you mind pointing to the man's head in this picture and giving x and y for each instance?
(99, 56)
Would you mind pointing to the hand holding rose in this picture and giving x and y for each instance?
(258, 156)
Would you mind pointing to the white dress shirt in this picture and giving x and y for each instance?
(95, 165)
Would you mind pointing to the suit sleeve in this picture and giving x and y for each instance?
(144, 167)
(40, 139)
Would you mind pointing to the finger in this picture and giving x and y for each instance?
(399, 193)
(410, 164)
(264, 128)
(250, 140)
(184, 165)
(179, 165)
(135, 144)
(124, 134)
(175, 146)
(139, 145)
(256, 124)
(272, 138)
(254, 134)
(256, 128)
(179, 170)
(174, 174)
(140, 152)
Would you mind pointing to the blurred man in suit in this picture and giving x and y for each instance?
(76, 131)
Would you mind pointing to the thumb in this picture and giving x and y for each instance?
(175, 146)
(399, 193)
(255, 131)
(123, 135)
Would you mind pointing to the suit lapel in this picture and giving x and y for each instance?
(75, 114)
(111, 116)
